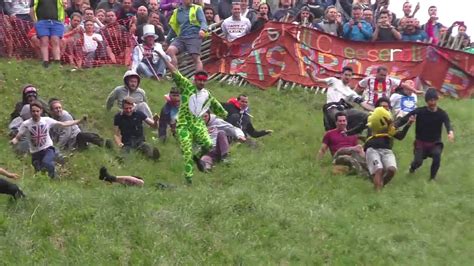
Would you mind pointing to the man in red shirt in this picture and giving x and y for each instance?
(344, 149)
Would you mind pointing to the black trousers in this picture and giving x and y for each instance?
(83, 138)
(421, 153)
(9, 188)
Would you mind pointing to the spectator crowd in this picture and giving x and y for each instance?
(86, 33)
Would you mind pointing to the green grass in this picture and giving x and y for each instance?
(273, 205)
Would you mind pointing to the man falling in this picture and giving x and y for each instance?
(190, 128)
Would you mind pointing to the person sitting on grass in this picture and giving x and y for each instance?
(36, 129)
(72, 137)
(344, 148)
(128, 130)
(169, 113)
(9, 188)
(128, 180)
(220, 131)
(239, 116)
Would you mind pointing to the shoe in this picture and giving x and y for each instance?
(199, 163)
(164, 186)
(19, 194)
(189, 180)
(103, 173)
(45, 64)
(109, 144)
(411, 170)
(156, 154)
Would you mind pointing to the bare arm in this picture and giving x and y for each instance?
(153, 122)
(71, 122)
(118, 136)
(322, 151)
(8, 174)
(376, 33)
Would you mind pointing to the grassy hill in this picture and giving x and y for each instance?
(272, 205)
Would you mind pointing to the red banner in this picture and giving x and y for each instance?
(285, 51)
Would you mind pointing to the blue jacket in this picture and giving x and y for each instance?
(355, 34)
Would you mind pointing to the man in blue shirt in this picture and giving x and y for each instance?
(357, 29)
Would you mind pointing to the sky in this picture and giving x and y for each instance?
(448, 11)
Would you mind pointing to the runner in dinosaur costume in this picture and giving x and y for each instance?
(190, 127)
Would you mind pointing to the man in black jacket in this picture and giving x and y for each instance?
(238, 116)
(429, 123)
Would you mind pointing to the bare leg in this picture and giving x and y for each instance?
(389, 175)
(56, 49)
(44, 41)
(197, 61)
(172, 51)
(378, 180)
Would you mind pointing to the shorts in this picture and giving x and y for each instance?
(380, 159)
(49, 28)
(190, 45)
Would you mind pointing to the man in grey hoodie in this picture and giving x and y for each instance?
(220, 131)
(130, 88)
(71, 137)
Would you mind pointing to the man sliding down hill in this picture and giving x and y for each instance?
(9, 188)
(195, 101)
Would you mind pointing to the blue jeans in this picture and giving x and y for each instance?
(44, 160)
(144, 69)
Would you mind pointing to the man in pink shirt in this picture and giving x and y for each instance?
(344, 149)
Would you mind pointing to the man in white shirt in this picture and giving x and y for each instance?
(236, 25)
(37, 131)
(339, 95)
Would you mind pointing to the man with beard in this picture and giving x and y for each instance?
(412, 33)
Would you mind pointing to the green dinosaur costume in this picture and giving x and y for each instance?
(190, 126)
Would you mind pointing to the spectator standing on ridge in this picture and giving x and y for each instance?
(284, 12)
(236, 25)
(168, 6)
(384, 31)
(128, 129)
(94, 46)
(330, 24)
(75, 7)
(407, 12)
(89, 15)
(154, 7)
(224, 9)
(19, 9)
(109, 5)
(368, 15)
(412, 33)
(429, 123)
(36, 129)
(68, 138)
(153, 19)
(247, 12)
(118, 38)
(304, 18)
(403, 100)
(49, 16)
(126, 11)
(189, 26)
(131, 81)
(210, 15)
(357, 29)
(264, 14)
(432, 27)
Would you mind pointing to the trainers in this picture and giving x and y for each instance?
(45, 64)
(199, 163)
(164, 186)
(411, 170)
(19, 194)
(109, 144)
(103, 173)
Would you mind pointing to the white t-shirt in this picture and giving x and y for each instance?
(337, 91)
(402, 105)
(199, 102)
(234, 29)
(384, 89)
(37, 133)
(89, 44)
